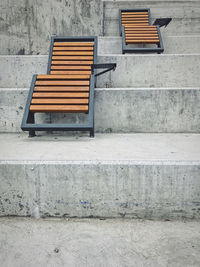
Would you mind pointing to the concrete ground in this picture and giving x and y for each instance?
(95, 242)
(133, 146)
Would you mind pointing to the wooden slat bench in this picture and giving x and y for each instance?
(67, 87)
(135, 28)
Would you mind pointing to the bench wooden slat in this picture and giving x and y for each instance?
(135, 13)
(60, 101)
(62, 82)
(130, 41)
(73, 48)
(135, 19)
(135, 23)
(70, 67)
(59, 108)
(65, 95)
(141, 35)
(63, 77)
(141, 27)
(64, 72)
(82, 62)
(72, 58)
(73, 44)
(140, 31)
(73, 53)
(61, 89)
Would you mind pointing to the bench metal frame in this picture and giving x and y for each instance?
(126, 48)
(28, 121)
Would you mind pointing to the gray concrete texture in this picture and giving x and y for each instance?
(185, 15)
(27, 25)
(100, 243)
(135, 71)
(118, 110)
(144, 176)
(172, 45)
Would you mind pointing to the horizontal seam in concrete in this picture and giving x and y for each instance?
(154, 1)
(111, 55)
(149, 55)
(116, 88)
(104, 162)
(141, 89)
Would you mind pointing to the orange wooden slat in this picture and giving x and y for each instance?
(135, 19)
(142, 41)
(140, 31)
(141, 27)
(60, 101)
(73, 53)
(62, 82)
(73, 48)
(81, 62)
(135, 25)
(134, 13)
(72, 58)
(70, 67)
(73, 44)
(63, 77)
(61, 89)
(59, 108)
(142, 37)
(64, 72)
(58, 95)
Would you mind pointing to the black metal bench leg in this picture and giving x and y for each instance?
(92, 133)
(31, 133)
(31, 119)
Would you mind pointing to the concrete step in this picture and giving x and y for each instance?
(118, 110)
(185, 15)
(172, 45)
(94, 242)
(132, 70)
(112, 175)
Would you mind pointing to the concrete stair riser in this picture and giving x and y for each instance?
(118, 110)
(131, 190)
(132, 71)
(172, 45)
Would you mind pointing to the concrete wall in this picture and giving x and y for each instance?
(184, 14)
(26, 25)
(127, 189)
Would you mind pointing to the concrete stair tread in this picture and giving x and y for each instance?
(141, 148)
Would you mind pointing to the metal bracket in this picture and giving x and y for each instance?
(162, 22)
(108, 66)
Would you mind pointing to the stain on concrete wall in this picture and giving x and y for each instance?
(27, 25)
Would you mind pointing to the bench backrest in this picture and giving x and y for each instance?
(134, 17)
(72, 55)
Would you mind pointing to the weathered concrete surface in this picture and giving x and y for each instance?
(89, 243)
(152, 71)
(17, 71)
(27, 25)
(172, 45)
(132, 71)
(118, 110)
(139, 176)
(185, 15)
